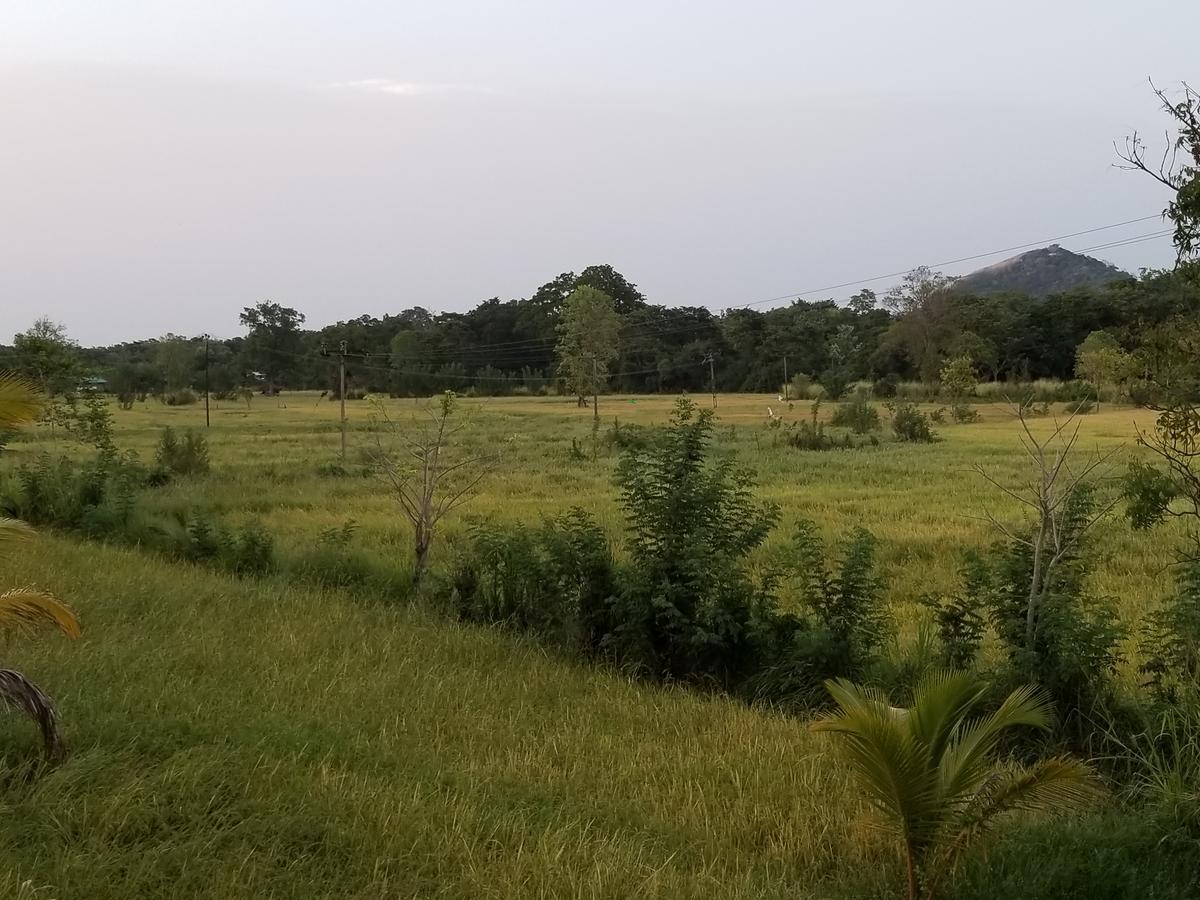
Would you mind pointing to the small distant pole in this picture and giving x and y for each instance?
(342, 391)
(712, 378)
(786, 386)
(596, 390)
(207, 418)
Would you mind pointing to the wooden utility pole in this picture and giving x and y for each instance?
(786, 386)
(712, 378)
(342, 391)
(595, 404)
(207, 419)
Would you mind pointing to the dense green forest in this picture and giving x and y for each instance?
(508, 346)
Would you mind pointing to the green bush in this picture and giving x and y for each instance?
(188, 456)
(857, 414)
(840, 623)
(556, 581)
(813, 436)
(910, 424)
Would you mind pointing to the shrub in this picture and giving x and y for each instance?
(249, 550)
(841, 623)
(812, 436)
(857, 414)
(1171, 641)
(964, 413)
(688, 608)
(556, 581)
(910, 424)
(1068, 641)
(835, 381)
(961, 617)
(188, 456)
(628, 437)
(58, 492)
(799, 386)
(180, 397)
(885, 388)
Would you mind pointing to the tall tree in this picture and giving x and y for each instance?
(274, 341)
(625, 296)
(176, 361)
(45, 355)
(587, 341)
(926, 318)
(1099, 359)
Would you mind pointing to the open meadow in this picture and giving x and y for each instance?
(263, 737)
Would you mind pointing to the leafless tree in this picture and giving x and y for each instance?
(431, 477)
(1052, 494)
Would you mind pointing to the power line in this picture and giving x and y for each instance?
(517, 350)
(533, 344)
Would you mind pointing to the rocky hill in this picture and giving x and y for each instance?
(1049, 270)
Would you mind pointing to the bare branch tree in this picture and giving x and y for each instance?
(1053, 493)
(1178, 168)
(437, 477)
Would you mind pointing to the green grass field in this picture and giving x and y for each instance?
(253, 738)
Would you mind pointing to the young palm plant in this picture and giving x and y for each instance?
(931, 769)
(24, 609)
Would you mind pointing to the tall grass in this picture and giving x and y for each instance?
(261, 737)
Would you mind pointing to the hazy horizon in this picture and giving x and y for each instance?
(165, 166)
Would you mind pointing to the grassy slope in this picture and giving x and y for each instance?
(241, 739)
(248, 739)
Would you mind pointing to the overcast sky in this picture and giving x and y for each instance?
(164, 164)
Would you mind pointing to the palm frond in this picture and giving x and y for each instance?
(24, 609)
(1055, 784)
(941, 703)
(968, 761)
(13, 531)
(20, 400)
(890, 766)
(19, 693)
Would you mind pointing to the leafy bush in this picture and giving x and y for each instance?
(964, 413)
(56, 491)
(1148, 493)
(688, 608)
(196, 536)
(1171, 641)
(556, 581)
(1067, 640)
(840, 624)
(684, 606)
(857, 414)
(628, 437)
(812, 436)
(249, 550)
(961, 617)
(910, 424)
(188, 456)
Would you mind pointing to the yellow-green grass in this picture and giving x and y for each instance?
(253, 738)
(925, 503)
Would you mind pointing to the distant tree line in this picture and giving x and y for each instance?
(515, 346)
